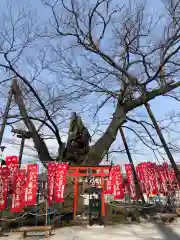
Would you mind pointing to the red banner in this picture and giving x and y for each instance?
(139, 172)
(12, 165)
(118, 184)
(162, 179)
(4, 179)
(172, 180)
(165, 167)
(60, 181)
(129, 173)
(31, 186)
(126, 187)
(170, 176)
(18, 197)
(51, 181)
(153, 183)
(145, 176)
(110, 181)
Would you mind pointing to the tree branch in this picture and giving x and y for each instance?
(40, 146)
(38, 99)
(150, 95)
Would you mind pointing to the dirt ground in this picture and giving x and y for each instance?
(146, 231)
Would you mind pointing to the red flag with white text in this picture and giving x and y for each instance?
(4, 180)
(162, 179)
(118, 183)
(129, 173)
(18, 196)
(31, 185)
(110, 181)
(153, 183)
(12, 165)
(60, 181)
(139, 172)
(172, 179)
(168, 177)
(51, 181)
(145, 177)
(126, 187)
(165, 167)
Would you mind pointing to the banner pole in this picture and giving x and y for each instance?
(46, 212)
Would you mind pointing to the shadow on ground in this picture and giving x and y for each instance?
(168, 233)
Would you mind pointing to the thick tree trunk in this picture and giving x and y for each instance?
(100, 148)
(163, 141)
(138, 188)
(39, 144)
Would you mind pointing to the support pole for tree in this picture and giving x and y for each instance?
(4, 120)
(138, 189)
(46, 222)
(163, 141)
(5, 115)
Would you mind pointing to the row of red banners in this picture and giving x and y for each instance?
(153, 179)
(22, 184)
(19, 184)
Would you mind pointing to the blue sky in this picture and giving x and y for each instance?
(161, 106)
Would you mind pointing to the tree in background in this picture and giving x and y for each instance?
(101, 53)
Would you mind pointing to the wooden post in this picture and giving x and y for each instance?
(138, 188)
(163, 141)
(102, 194)
(46, 212)
(5, 115)
(75, 193)
(1, 154)
(23, 135)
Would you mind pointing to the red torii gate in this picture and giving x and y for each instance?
(82, 171)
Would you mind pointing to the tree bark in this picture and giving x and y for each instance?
(39, 144)
(100, 148)
(21, 151)
(163, 141)
(132, 104)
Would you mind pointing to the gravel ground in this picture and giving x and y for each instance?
(148, 231)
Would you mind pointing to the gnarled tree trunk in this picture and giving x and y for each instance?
(39, 143)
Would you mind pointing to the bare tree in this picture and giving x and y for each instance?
(100, 51)
(126, 72)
